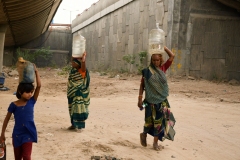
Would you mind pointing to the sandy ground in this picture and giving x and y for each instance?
(207, 115)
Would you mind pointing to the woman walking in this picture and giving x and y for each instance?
(157, 110)
(78, 93)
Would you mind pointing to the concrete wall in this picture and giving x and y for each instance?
(59, 41)
(120, 27)
(206, 40)
(204, 34)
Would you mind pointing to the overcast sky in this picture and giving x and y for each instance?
(70, 8)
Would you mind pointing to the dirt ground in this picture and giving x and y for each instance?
(207, 115)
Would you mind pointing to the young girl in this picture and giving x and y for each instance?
(24, 131)
(154, 83)
(78, 93)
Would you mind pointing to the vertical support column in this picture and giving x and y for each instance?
(3, 29)
(173, 24)
(188, 47)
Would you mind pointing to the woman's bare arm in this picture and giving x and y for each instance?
(170, 53)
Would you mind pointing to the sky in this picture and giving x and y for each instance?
(68, 10)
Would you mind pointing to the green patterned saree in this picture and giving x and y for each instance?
(78, 98)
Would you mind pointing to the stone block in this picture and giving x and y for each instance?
(136, 12)
(120, 15)
(165, 23)
(107, 27)
(146, 3)
(213, 69)
(111, 52)
(140, 42)
(119, 51)
(214, 39)
(124, 22)
(233, 59)
(130, 44)
(159, 13)
(119, 32)
(111, 34)
(115, 25)
(196, 57)
(165, 4)
(123, 41)
(131, 24)
(136, 49)
(127, 15)
(152, 7)
(145, 39)
(114, 42)
(136, 33)
(103, 32)
(152, 23)
(233, 75)
(141, 5)
(111, 19)
(106, 48)
(131, 7)
(145, 17)
(127, 34)
(141, 22)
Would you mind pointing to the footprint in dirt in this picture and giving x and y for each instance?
(103, 148)
(125, 143)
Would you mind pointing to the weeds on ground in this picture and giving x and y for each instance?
(65, 70)
(130, 60)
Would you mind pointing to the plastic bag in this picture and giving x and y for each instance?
(26, 71)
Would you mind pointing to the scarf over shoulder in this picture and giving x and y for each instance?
(156, 87)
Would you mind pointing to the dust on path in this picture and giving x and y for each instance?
(207, 115)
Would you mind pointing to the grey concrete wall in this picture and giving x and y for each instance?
(59, 41)
(119, 28)
(206, 40)
(204, 35)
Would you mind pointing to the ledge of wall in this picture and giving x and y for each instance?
(97, 11)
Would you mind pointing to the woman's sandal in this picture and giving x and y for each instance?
(157, 147)
(143, 139)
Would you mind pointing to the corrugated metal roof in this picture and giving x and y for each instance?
(26, 19)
